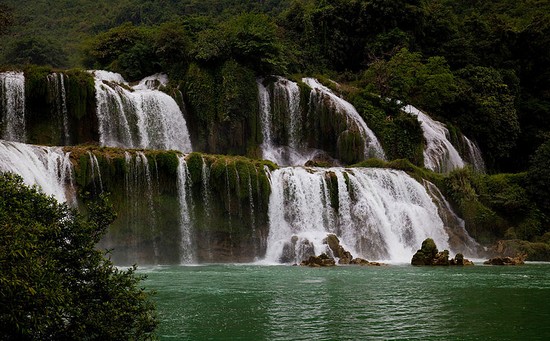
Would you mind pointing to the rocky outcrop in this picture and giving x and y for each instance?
(518, 260)
(344, 257)
(429, 255)
(323, 260)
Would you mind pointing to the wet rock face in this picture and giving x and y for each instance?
(429, 255)
(296, 249)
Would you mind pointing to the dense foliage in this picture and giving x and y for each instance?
(54, 284)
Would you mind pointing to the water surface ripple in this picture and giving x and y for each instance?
(249, 302)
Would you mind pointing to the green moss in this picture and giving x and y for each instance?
(80, 93)
(167, 161)
(332, 183)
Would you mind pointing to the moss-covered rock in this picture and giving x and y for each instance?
(429, 255)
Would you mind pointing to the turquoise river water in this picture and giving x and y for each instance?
(252, 302)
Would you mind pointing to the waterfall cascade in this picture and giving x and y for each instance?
(321, 93)
(58, 98)
(284, 102)
(139, 116)
(439, 154)
(377, 214)
(187, 253)
(215, 208)
(12, 106)
(48, 167)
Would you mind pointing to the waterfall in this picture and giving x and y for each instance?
(439, 154)
(139, 116)
(187, 250)
(473, 155)
(58, 98)
(12, 106)
(94, 168)
(47, 167)
(459, 239)
(376, 213)
(354, 121)
(284, 105)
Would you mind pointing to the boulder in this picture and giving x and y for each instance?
(364, 262)
(441, 258)
(296, 248)
(323, 260)
(344, 256)
(518, 260)
(428, 255)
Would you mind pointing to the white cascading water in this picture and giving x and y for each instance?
(289, 93)
(58, 96)
(460, 239)
(47, 167)
(372, 145)
(139, 116)
(440, 155)
(474, 156)
(187, 251)
(380, 215)
(12, 106)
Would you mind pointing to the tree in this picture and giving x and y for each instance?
(250, 39)
(126, 49)
(6, 19)
(485, 110)
(427, 84)
(35, 50)
(54, 284)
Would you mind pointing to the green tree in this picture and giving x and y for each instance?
(250, 39)
(485, 110)
(6, 19)
(35, 50)
(127, 49)
(427, 84)
(54, 284)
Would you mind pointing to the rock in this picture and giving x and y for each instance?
(428, 255)
(296, 248)
(518, 260)
(441, 258)
(346, 258)
(323, 260)
(364, 262)
(338, 251)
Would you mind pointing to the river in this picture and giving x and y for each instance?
(253, 302)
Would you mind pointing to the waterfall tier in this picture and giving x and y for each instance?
(377, 214)
(325, 127)
(47, 167)
(321, 95)
(139, 116)
(439, 154)
(12, 106)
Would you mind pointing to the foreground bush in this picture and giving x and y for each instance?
(54, 284)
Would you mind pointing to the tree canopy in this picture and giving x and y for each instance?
(54, 284)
